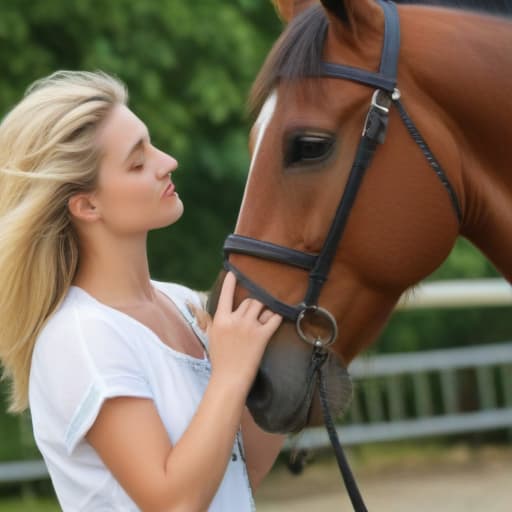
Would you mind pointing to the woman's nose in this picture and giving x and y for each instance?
(168, 164)
(172, 163)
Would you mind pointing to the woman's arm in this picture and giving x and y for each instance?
(261, 449)
(131, 440)
(129, 436)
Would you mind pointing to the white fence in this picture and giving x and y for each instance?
(451, 294)
(395, 393)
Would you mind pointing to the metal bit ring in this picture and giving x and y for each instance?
(317, 342)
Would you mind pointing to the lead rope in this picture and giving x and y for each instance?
(319, 357)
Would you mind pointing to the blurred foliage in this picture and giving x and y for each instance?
(188, 67)
(29, 504)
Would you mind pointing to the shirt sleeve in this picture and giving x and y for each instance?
(82, 358)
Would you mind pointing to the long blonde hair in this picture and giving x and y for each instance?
(48, 153)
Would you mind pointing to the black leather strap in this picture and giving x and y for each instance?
(268, 251)
(318, 275)
(348, 478)
(385, 79)
(275, 305)
(391, 48)
(361, 76)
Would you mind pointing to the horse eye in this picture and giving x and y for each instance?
(308, 149)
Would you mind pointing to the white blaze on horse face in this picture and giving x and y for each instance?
(266, 113)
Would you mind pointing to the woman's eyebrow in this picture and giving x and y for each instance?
(138, 145)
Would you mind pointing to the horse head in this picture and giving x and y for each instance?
(403, 218)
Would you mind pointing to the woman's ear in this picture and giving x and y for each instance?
(288, 9)
(83, 208)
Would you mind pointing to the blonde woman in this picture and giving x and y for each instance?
(132, 408)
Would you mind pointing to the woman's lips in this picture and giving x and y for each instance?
(169, 190)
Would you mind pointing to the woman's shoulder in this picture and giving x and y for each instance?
(182, 293)
(77, 314)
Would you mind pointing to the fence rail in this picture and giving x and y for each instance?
(23, 471)
(394, 393)
(458, 293)
(393, 396)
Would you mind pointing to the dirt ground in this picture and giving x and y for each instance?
(459, 479)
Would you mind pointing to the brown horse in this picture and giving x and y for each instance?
(455, 80)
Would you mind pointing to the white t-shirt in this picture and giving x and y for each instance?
(89, 352)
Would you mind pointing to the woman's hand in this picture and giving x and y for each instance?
(238, 338)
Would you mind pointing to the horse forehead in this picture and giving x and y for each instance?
(264, 117)
(260, 126)
(258, 131)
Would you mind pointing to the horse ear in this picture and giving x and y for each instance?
(288, 9)
(352, 14)
(338, 8)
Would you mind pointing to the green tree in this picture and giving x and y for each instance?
(188, 67)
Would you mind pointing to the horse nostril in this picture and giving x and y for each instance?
(260, 394)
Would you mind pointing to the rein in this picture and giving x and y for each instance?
(384, 97)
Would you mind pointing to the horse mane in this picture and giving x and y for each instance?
(297, 54)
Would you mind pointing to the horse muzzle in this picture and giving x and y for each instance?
(284, 396)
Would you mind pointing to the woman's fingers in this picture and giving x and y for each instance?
(266, 316)
(255, 308)
(243, 307)
(272, 322)
(225, 303)
(250, 308)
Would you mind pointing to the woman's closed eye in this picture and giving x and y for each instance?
(137, 166)
(138, 158)
(138, 161)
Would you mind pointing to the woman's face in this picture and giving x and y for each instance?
(135, 192)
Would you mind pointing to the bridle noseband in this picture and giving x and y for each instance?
(374, 132)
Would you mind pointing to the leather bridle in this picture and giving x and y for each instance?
(374, 131)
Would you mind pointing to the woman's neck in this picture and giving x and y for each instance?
(116, 273)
